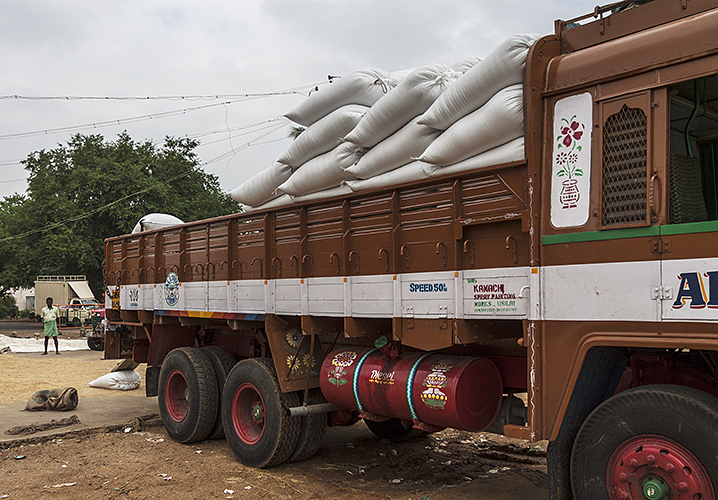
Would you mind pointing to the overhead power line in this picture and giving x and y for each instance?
(301, 90)
(234, 98)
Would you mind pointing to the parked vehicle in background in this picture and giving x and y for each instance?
(582, 279)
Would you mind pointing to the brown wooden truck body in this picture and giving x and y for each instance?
(575, 291)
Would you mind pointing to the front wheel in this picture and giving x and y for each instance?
(255, 416)
(654, 442)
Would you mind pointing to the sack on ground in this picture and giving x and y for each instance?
(504, 66)
(323, 172)
(499, 121)
(62, 399)
(409, 99)
(394, 151)
(323, 136)
(122, 380)
(363, 87)
(261, 187)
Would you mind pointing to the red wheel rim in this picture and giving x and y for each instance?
(177, 396)
(248, 413)
(656, 468)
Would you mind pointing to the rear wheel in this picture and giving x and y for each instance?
(393, 429)
(311, 429)
(254, 412)
(222, 362)
(187, 394)
(653, 442)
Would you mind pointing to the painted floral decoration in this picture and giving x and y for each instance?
(569, 136)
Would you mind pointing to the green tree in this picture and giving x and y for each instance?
(7, 306)
(47, 231)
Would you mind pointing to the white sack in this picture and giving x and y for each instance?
(327, 193)
(504, 66)
(363, 87)
(409, 99)
(323, 172)
(279, 201)
(396, 77)
(261, 187)
(511, 151)
(465, 64)
(397, 150)
(323, 136)
(498, 121)
(122, 380)
(151, 222)
(411, 172)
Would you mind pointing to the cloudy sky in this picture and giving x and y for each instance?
(218, 70)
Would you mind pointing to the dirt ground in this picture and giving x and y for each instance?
(139, 461)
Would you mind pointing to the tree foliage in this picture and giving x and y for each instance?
(84, 177)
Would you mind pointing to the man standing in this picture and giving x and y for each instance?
(50, 317)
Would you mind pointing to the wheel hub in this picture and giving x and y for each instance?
(656, 468)
(655, 488)
(257, 413)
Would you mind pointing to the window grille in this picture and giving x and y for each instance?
(625, 147)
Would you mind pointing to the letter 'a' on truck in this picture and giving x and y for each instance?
(569, 295)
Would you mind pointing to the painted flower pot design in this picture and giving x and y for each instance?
(569, 194)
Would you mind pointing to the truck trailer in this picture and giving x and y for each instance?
(570, 296)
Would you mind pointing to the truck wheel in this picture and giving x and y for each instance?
(311, 429)
(653, 442)
(393, 430)
(187, 394)
(96, 343)
(222, 362)
(254, 412)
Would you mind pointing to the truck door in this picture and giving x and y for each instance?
(689, 240)
(600, 245)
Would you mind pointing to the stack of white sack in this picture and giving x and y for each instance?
(497, 122)
(503, 67)
(437, 120)
(409, 99)
(417, 170)
(363, 87)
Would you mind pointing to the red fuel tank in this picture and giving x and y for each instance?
(445, 391)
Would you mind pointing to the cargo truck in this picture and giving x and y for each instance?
(583, 278)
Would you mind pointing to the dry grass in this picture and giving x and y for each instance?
(21, 377)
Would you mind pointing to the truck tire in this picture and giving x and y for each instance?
(257, 425)
(393, 430)
(222, 361)
(653, 442)
(311, 429)
(187, 394)
(96, 343)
